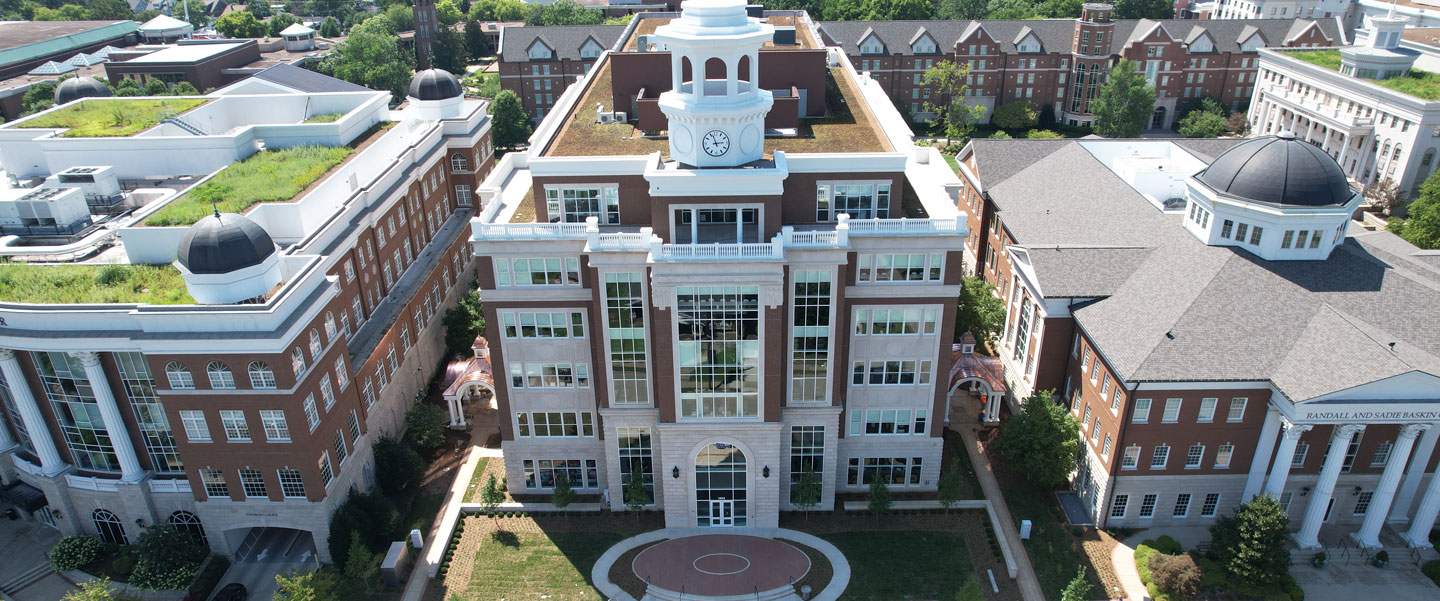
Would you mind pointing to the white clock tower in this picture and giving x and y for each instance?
(715, 107)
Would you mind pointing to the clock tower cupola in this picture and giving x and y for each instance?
(715, 107)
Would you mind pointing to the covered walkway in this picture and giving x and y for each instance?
(984, 375)
(466, 380)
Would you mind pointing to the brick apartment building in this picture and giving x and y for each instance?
(539, 63)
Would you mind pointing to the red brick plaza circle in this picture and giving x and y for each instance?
(718, 565)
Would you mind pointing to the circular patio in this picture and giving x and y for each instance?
(670, 565)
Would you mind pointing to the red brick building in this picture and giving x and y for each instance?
(539, 63)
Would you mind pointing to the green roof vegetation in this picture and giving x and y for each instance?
(1424, 85)
(112, 117)
(325, 118)
(81, 284)
(266, 176)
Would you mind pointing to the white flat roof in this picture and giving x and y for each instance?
(187, 53)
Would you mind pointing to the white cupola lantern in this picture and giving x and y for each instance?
(715, 107)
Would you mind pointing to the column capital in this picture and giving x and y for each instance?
(87, 358)
(1347, 431)
(6, 354)
(1293, 430)
(1413, 430)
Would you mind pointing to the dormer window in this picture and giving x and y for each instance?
(1252, 44)
(924, 45)
(1203, 44)
(872, 45)
(540, 52)
(590, 50)
(1028, 45)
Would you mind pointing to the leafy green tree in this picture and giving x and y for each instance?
(374, 24)
(259, 8)
(490, 496)
(279, 22)
(1422, 225)
(563, 495)
(895, 10)
(76, 551)
(880, 499)
(373, 60)
(448, 13)
(1202, 124)
(952, 487)
(948, 104)
(329, 28)
(109, 10)
(1124, 103)
(372, 515)
(357, 563)
(156, 87)
(398, 468)
(241, 24)
(805, 492)
(979, 311)
(1012, 9)
(635, 497)
(450, 52)
(402, 16)
(1016, 115)
(1059, 9)
(67, 12)
(39, 97)
(1047, 116)
(963, 10)
(128, 87)
(498, 10)
(1043, 441)
(425, 426)
(970, 590)
(1001, 135)
(564, 12)
(1253, 546)
(1042, 134)
(1144, 9)
(475, 40)
(166, 558)
(463, 323)
(198, 15)
(146, 15)
(305, 586)
(1078, 589)
(509, 123)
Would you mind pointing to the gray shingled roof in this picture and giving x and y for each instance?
(305, 80)
(566, 40)
(1003, 158)
(1174, 309)
(1055, 35)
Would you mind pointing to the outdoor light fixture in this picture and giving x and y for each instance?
(1355, 492)
(1305, 491)
(140, 522)
(765, 472)
(675, 472)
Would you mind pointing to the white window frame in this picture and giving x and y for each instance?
(277, 429)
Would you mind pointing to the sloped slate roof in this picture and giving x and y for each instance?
(1056, 34)
(305, 80)
(566, 40)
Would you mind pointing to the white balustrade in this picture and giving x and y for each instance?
(177, 485)
(92, 483)
(529, 231)
(27, 467)
(718, 252)
(903, 226)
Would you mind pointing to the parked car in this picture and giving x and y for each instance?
(232, 592)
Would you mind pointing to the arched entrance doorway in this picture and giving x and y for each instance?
(1158, 120)
(721, 496)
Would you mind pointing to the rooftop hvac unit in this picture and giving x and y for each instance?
(784, 36)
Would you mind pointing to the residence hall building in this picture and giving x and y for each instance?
(1208, 313)
(539, 63)
(1061, 62)
(243, 390)
(1360, 112)
(717, 309)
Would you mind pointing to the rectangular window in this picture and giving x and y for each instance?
(1131, 458)
(341, 450)
(236, 430)
(859, 200)
(368, 392)
(276, 429)
(1285, 501)
(549, 325)
(896, 471)
(327, 393)
(883, 321)
(252, 483)
(636, 455)
(1237, 409)
(1147, 506)
(1382, 454)
(555, 425)
(325, 472)
(1194, 456)
(195, 428)
(917, 267)
(1142, 411)
(292, 486)
(1222, 455)
(1212, 502)
(1172, 411)
(1117, 508)
(719, 328)
(810, 338)
(574, 205)
(354, 426)
(1182, 505)
(312, 416)
(903, 372)
(1362, 502)
(1160, 457)
(1105, 450)
(807, 452)
(551, 271)
(1301, 450)
(541, 473)
(214, 482)
(625, 327)
(1207, 410)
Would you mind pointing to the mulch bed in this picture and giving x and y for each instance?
(821, 571)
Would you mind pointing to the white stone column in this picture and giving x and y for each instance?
(1264, 450)
(1419, 533)
(35, 425)
(1344, 152)
(1284, 456)
(1400, 509)
(1309, 535)
(130, 470)
(1369, 534)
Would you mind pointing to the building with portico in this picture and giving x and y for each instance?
(1220, 329)
(742, 281)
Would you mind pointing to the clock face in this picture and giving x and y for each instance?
(715, 142)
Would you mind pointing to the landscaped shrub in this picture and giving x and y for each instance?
(124, 563)
(166, 559)
(398, 468)
(1168, 545)
(1175, 574)
(372, 515)
(75, 552)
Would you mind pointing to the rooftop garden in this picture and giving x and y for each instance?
(112, 117)
(266, 176)
(325, 118)
(83, 284)
(1420, 84)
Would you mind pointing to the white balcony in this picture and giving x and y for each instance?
(750, 251)
(178, 485)
(906, 227)
(92, 483)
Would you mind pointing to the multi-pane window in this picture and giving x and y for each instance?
(895, 321)
(297, 361)
(1362, 502)
(341, 450)
(16, 419)
(917, 267)
(625, 327)
(179, 376)
(276, 428)
(636, 455)
(810, 335)
(1022, 336)
(859, 200)
(1142, 411)
(327, 393)
(1301, 450)
(1147, 506)
(895, 471)
(368, 392)
(1172, 411)
(1382, 453)
(214, 482)
(1285, 498)
(1095, 431)
(220, 376)
(62, 376)
(342, 375)
(549, 375)
(1209, 505)
(573, 205)
(551, 271)
(1160, 457)
(1237, 409)
(312, 415)
(236, 429)
(261, 376)
(1223, 454)
(888, 421)
(149, 414)
(555, 424)
(719, 347)
(543, 325)
(292, 486)
(902, 372)
(1131, 457)
(1182, 505)
(541, 473)
(1105, 450)
(195, 428)
(807, 453)
(1117, 508)
(354, 423)
(252, 483)
(315, 347)
(1207, 410)
(1194, 455)
(326, 473)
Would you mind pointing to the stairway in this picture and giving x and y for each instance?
(25, 579)
(190, 128)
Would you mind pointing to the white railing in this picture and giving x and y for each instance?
(179, 485)
(528, 231)
(640, 240)
(27, 467)
(904, 226)
(836, 238)
(92, 483)
(754, 251)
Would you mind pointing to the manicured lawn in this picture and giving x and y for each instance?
(422, 512)
(266, 176)
(112, 117)
(954, 164)
(885, 566)
(78, 284)
(325, 118)
(1053, 548)
(537, 565)
(1420, 84)
(477, 480)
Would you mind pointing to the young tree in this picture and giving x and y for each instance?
(970, 590)
(979, 311)
(165, 558)
(156, 87)
(369, 59)
(491, 496)
(897, 10)
(948, 104)
(95, 590)
(360, 558)
(1206, 120)
(1042, 441)
(509, 123)
(805, 492)
(1238, 124)
(1042, 134)
(880, 499)
(1253, 546)
(1387, 196)
(304, 586)
(475, 40)
(127, 87)
(425, 426)
(1047, 116)
(1078, 589)
(952, 487)
(199, 17)
(241, 24)
(563, 495)
(563, 12)
(398, 468)
(1016, 115)
(635, 497)
(448, 13)
(1124, 103)
(1422, 226)
(259, 8)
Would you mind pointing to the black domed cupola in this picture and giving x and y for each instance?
(227, 258)
(76, 88)
(434, 84)
(1278, 170)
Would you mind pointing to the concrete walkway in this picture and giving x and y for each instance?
(428, 563)
(1029, 583)
(1122, 559)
